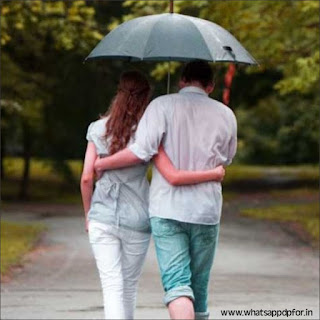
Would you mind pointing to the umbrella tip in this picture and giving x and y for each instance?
(85, 60)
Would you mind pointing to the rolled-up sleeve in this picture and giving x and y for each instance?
(233, 141)
(89, 132)
(150, 131)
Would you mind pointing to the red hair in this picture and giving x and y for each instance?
(126, 109)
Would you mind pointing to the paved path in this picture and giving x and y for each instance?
(258, 266)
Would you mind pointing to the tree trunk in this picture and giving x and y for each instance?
(2, 155)
(24, 185)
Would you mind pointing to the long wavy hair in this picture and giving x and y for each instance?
(126, 109)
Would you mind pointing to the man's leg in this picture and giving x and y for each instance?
(172, 248)
(203, 243)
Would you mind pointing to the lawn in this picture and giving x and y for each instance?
(47, 186)
(307, 215)
(16, 241)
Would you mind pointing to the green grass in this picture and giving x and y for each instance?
(39, 169)
(305, 214)
(42, 191)
(249, 172)
(47, 185)
(295, 193)
(308, 172)
(16, 241)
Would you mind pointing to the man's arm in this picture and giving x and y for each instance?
(121, 159)
(184, 177)
(148, 137)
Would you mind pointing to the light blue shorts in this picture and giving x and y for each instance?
(185, 254)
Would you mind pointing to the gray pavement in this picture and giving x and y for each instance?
(258, 266)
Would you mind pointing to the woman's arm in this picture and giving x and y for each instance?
(87, 179)
(184, 177)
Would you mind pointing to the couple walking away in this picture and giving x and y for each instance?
(190, 138)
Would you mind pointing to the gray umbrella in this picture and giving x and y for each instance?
(171, 37)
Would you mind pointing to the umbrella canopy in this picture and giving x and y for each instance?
(171, 37)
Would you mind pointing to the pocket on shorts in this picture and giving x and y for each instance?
(209, 235)
(164, 227)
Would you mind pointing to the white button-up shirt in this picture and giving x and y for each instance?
(198, 133)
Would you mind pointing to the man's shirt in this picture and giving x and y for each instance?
(198, 133)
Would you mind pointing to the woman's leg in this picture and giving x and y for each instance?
(134, 249)
(106, 247)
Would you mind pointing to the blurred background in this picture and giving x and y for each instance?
(49, 97)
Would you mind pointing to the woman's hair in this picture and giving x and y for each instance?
(126, 109)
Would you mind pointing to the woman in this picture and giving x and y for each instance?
(116, 212)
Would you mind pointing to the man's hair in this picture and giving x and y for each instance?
(197, 71)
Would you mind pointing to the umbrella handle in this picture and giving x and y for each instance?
(171, 6)
(168, 80)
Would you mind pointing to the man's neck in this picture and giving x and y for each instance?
(194, 84)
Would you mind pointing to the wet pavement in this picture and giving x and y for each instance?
(258, 266)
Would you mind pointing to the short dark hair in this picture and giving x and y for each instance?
(197, 71)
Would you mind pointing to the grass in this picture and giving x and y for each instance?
(249, 172)
(307, 215)
(295, 193)
(42, 176)
(39, 169)
(16, 241)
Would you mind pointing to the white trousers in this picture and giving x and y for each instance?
(119, 255)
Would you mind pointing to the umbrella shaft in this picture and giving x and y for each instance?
(168, 82)
(171, 6)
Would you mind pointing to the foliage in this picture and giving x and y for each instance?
(286, 38)
(279, 130)
(50, 96)
(36, 37)
(16, 241)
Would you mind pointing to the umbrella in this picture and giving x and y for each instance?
(171, 37)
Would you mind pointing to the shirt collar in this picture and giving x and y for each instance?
(193, 89)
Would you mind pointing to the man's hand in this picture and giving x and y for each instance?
(219, 173)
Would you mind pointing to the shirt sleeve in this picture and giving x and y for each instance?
(233, 141)
(150, 131)
(89, 136)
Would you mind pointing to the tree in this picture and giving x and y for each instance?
(281, 35)
(35, 35)
(276, 103)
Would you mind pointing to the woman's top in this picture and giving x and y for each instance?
(121, 196)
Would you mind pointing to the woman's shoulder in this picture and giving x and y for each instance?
(96, 129)
(98, 125)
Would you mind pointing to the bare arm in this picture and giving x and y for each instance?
(87, 179)
(121, 159)
(184, 177)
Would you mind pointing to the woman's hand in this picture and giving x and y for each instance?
(218, 173)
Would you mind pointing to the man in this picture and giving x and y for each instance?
(197, 133)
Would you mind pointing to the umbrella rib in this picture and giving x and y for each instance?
(205, 41)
